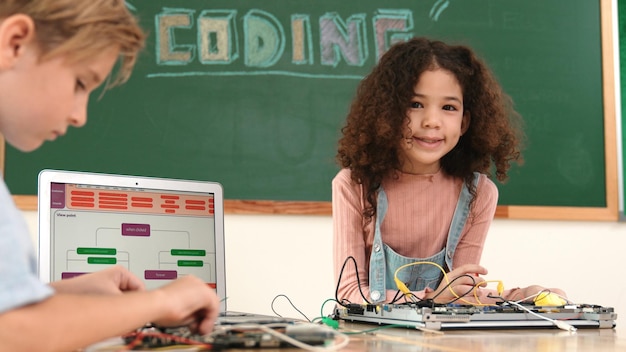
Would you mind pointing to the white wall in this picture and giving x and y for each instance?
(269, 255)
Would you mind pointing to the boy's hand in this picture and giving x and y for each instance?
(190, 302)
(113, 280)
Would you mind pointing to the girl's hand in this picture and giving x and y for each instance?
(462, 282)
(529, 294)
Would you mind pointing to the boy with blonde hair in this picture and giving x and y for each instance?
(53, 54)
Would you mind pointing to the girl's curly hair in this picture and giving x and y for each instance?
(378, 118)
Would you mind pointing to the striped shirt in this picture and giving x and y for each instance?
(416, 224)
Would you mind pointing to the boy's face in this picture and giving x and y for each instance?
(39, 100)
(45, 98)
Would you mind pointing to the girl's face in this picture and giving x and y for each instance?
(436, 122)
(40, 100)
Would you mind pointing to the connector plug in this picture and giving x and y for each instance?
(330, 322)
(564, 326)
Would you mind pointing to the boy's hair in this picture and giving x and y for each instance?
(378, 117)
(82, 29)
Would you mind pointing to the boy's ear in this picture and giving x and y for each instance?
(16, 33)
(466, 121)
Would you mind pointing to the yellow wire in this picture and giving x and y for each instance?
(500, 289)
(402, 287)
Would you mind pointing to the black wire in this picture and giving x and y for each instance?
(547, 291)
(358, 281)
(418, 300)
(294, 307)
(534, 299)
(414, 299)
(504, 300)
(396, 297)
(450, 283)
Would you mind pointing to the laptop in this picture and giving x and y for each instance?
(159, 229)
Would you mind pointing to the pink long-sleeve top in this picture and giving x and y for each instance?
(416, 225)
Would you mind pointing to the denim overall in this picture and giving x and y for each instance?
(384, 261)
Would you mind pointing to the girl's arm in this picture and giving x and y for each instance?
(470, 247)
(472, 242)
(349, 241)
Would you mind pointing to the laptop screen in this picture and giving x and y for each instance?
(159, 229)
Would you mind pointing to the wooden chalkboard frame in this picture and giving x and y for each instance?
(608, 213)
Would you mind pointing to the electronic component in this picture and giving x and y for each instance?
(251, 335)
(501, 316)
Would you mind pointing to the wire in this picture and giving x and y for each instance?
(500, 290)
(558, 323)
(358, 281)
(323, 304)
(402, 286)
(534, 296)
(267, 328)
(373, 330)
(165, 339)
(425, 302)
(409, 296)
(458, 297)
(397, 297)
(328, 320)
(369, 331)
(292, 305)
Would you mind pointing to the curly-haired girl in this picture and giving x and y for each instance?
(425, 129)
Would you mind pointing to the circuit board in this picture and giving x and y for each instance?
(229, 336)
(502, 316)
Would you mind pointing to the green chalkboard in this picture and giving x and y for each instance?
(252, 94)
(622, 55)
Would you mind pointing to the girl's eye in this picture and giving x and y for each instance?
(416, 105)
(449, 108)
